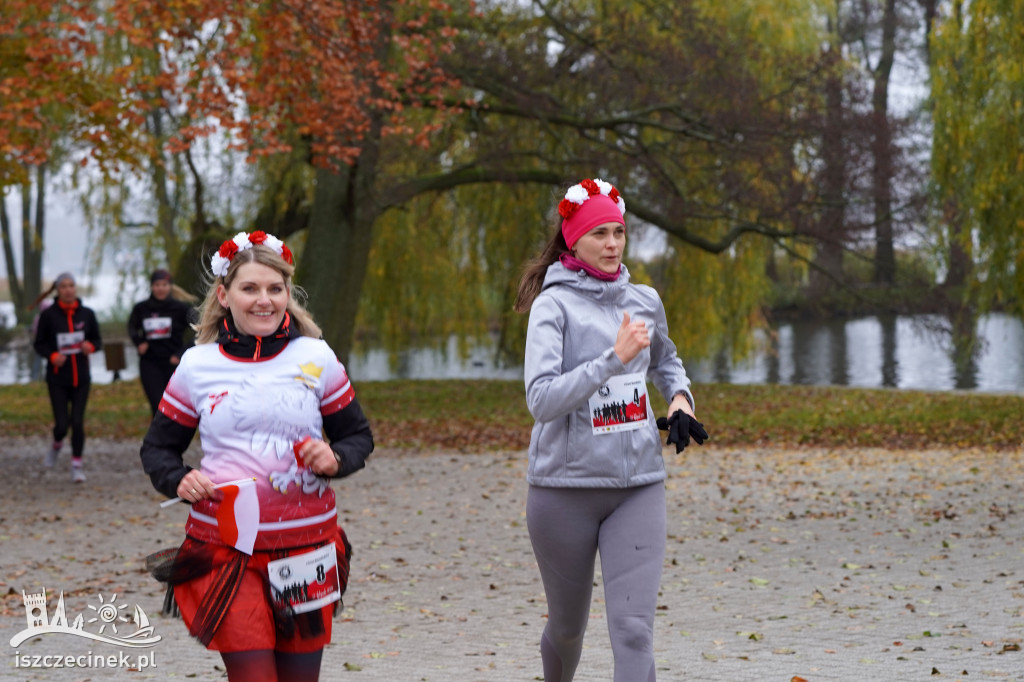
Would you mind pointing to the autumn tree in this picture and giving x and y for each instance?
(977, 150)
(56, 107)
(687, 107)
(709, 118)
(326, 78)
(420, 199)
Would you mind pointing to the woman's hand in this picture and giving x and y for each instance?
(143, 347)
(318, 457)
(196, 486)
(632, 338)
(679, 402)
(175, 360)
(58, 360)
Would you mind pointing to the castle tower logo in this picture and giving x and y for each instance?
(107, 614)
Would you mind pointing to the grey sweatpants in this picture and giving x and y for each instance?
(568, 526)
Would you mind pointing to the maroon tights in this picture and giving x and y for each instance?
(267, 665)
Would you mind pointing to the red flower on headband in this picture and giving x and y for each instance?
(590, 186)
(614, 195)
(228, 249)
(566, 208)
(221, 261)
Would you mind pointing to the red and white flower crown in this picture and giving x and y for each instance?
(240, 242)
(578, 194)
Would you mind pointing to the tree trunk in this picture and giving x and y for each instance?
(340, 233)
(828, 259)
(165, 210)
(960, 263)
(337, 251)
(885, 259)
(32, 241)
(13, 282)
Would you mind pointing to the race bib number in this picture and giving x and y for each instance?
(306, 582)
(620, 405)
(157, 327)
(70, 343)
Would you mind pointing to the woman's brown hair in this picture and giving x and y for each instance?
(532, 281)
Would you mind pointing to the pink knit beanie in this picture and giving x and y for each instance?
(587, 205)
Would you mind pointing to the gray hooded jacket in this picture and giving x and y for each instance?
(570, 355)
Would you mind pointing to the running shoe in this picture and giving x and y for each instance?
(77, 474)
(52, 453)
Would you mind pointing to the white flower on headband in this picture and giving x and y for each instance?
(219, 265)
(242, 241)
(274, 243)
(578, 194)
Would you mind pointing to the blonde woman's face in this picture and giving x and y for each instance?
(602, 247)
(257, 299)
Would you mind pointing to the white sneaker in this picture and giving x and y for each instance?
(52, 453)
(77, 474)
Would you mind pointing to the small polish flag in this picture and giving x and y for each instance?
(238, 517)
(298, 446)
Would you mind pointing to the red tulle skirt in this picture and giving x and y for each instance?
(224, 597)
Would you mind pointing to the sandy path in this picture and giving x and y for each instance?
(855, 565)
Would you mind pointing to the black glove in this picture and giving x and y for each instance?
(681, 427)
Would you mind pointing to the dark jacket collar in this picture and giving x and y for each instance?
(239, 345)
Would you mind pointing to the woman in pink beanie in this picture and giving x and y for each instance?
(596, 472)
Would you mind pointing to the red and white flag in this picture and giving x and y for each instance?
(238, 517)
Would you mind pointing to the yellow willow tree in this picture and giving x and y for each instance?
(978, 149)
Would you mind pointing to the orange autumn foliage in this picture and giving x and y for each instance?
(82, 75)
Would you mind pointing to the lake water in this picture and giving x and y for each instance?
(898, 352)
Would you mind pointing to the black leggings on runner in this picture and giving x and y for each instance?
(154, 375)
(568, 526)
(60, 398)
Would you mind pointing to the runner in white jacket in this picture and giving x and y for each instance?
(595, 465)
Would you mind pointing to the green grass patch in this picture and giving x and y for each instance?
(486, 415)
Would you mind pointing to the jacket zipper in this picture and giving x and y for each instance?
(74, 363)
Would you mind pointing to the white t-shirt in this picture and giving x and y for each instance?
(249, 414)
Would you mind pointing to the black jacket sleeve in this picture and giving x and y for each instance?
(45, 342)
(161, 453)
(135, 332)
(348, 431)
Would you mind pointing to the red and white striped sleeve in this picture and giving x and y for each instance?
(176, 403)
(338, 391)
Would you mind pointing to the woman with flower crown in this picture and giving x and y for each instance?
(596, 473)
(264, 562)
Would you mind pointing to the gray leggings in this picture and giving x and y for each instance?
(567, 528)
